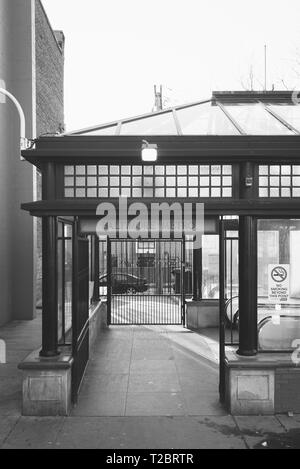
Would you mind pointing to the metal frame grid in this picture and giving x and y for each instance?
(159, 181)
(279, 181)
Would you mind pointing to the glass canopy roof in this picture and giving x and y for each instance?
(211, 117)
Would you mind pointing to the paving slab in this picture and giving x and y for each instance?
(100, 404)
(289, 423)
(104, 365)
(257, 428)
(154, 403)
(153, 366)
(104, 383)
(149, 432)
(34, 433)
(153, 382)
(7, 423)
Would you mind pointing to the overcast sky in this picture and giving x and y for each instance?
(116, 50)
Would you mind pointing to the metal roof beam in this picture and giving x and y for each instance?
(280, 119)
(232, 120)
(177, 122)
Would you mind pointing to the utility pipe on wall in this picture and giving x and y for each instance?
(24, 142)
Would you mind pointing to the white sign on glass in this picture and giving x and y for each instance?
(279, 283)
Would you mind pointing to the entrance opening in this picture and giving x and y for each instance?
(145, 282)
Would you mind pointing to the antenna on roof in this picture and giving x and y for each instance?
(158, 103)
(265, 89)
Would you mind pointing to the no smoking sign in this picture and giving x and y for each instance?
(278, 283)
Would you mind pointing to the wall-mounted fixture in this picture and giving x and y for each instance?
(149, 151)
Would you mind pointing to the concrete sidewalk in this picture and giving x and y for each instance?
(163, 394)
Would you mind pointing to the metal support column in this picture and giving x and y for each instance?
(49, 318)
(197, 274)
(247, 286)
(96, 296)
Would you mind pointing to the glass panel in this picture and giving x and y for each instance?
(162, 124)
(181, 170)
(136, 192)
(285, 170)
(68, 285)
(80, 193)
(204, 192)
(171, 192)
(148, 192)
(92, 192)
(205, 119)
(148, 170)
(193, 169)
(193, 181)
(80, 170)
(193, 192)
(216, 170)
(103, 193)
(263, 193)
(159, 181)
(92, 169)
(126, 192)
(182, 181)
(227, 169)
(264, 170)
(148, 182)
(114, 181)
(210, 266)
(289, 113)
(137, 170)
(103, 181)
(204, 170)
(103, 170)
(114, 170)
(255, 120)
(69, 170)
(111, 130)
(92, 181)
(137, 181)
(160, 170)
(171, 181)
(170, 170)
(126, 170)
(182, 192)
(159, 192)
(60, 295)
(69, 181)
(285, 192)
(114, 192)
(125, 181)
(278, 284)
(69, 192)
(216, 192)
(80, 181)
(227, 192)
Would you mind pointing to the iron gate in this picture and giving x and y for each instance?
(80, 313)
(145, 281)
(229, 305)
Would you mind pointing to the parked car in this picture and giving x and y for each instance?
(125, 283)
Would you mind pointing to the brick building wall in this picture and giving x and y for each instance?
(49, 75)
(49, 100)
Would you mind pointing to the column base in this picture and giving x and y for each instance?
(47, 384)
(265, 384)
(202, 314)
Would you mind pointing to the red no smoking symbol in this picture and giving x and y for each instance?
(279, 274)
